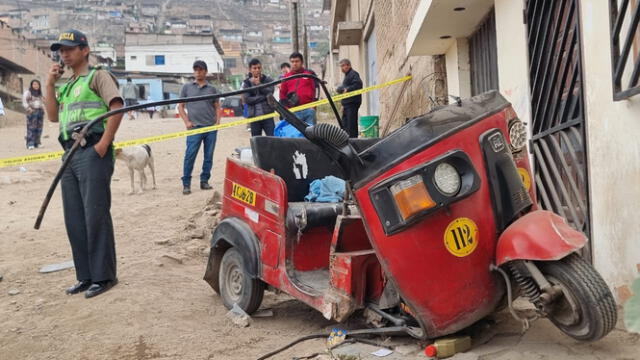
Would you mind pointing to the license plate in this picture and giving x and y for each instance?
(243, 194)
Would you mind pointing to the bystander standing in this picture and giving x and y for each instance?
(199, 114)
(299, 91)
(33, 103)
(350, 105)
(256, 100)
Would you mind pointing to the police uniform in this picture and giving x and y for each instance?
(86, 194)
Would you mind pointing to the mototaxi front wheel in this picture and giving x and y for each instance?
(236, 286)
(586, 309)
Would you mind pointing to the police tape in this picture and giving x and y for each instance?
(152, 139)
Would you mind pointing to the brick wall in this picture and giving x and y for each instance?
(392, 22)
(18, 49)
(10, 82)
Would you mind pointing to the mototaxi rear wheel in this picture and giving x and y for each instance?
(236, 286)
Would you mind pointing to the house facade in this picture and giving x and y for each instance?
(570, 68)
(171, 53)
(155, 89)
(372, 33)
(20, 62)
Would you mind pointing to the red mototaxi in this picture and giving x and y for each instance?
(420, 248)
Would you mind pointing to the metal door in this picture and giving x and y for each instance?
(558, 118)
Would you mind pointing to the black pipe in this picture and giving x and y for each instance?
(378, 331)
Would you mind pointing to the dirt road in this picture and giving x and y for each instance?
(162, 309)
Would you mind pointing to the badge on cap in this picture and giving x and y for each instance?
(66, 36)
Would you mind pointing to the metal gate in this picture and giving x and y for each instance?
(558, 119)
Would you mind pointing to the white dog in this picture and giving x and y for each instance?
(137, 158)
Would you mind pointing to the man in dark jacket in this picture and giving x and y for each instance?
(350, 105)
(257, 100)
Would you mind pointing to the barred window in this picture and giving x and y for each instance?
(625, 48)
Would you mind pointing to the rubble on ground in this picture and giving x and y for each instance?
(194, 238)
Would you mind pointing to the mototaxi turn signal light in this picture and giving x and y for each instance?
(411, 196)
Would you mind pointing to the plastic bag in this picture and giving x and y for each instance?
(284, 129)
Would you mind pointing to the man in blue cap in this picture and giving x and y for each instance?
(86, 193)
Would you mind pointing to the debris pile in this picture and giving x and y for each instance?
(195, 236)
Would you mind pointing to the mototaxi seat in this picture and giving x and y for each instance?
(298, 162)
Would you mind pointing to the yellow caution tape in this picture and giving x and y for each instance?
(152, 139)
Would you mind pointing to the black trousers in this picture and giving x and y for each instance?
(350, 118)
(86, 200)
(267, 125)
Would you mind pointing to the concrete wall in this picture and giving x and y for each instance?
(390, 21)
(458, 69)
(178, 58)
(393, 19)
(614, 155)
(513, 61)
(21, 51)
(356, 11)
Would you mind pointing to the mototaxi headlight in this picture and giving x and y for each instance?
(517, 134)
(447, 179)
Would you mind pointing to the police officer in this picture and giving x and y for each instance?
(86, 196)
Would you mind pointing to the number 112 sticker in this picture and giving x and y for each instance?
(461, 237)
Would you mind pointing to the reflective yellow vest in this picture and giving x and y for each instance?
(78, 105)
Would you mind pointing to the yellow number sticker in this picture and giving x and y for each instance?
(243, 194)
(526, 179)
(461, 237)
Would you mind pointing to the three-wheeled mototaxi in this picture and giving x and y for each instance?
(439, 227)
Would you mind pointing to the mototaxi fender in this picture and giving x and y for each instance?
(232, 232)
(539, 235)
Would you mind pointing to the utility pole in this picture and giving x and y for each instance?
(294, 25)
(305, 40)
(305, 47)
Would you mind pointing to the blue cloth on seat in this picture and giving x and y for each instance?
(327, 189)
(284, 129)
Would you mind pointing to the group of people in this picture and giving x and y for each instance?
(292, 93)
(297, 92)
(92, 92)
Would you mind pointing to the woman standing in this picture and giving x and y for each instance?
(33, 102)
